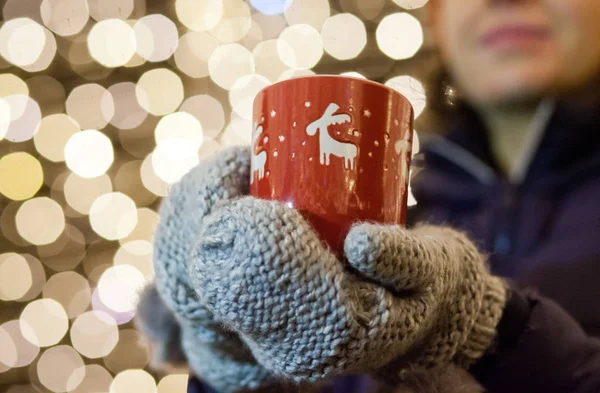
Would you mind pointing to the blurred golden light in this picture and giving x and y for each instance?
(238, 132)
(156, 37)
(119, 287)
(128, 112)
(71, 291)
(94, 334)
(243, 92)
(150, 179)
(179, 125)
(80, 192)
(15, 277)
(129, 181)
(21, 176)
(138, 381)
(112, 42)
(208, 110)
(22, 9)
(193, 53)
(131, 352)
(96, 380)
(344, 36)
(40, 220)
(137, 253)
(66, 252)
(235, 22)
(267, 60)
(310, 12)
(65, 17)
(399, 35)
(144, 230)
(38, 278)
(15, 350)
(61, 369)
(91, 105)
(199, 15)
(89, 153)
(110, 9)
(53, 135)
(11, 84)
(228, 63)
(113, 216)
(160, 91)
(410, 88)
(173, 383)
(270, 25)
(8, 224)
(44, 322)
(354, 74)
(22, 41)
(410, 4)
(25, 118)
(46, 56)
(300, 46)
(173, 158)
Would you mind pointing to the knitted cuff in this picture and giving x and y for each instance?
(484, 331)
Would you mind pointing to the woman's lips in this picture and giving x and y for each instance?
(514, 36)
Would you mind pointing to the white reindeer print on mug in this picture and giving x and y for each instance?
(258, 161)
(327, 144)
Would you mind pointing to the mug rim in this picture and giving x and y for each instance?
(345, 77)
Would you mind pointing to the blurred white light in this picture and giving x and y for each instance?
(65, 17)
(412, 89)
(243, 92)
(160, 91)
(199, 15)
(113, 215)
(271, 7)
(344, 36)
(354, 74)
(94, 334)
(112, 42)
(238, 132)
(267, 60)
(40, 220)
(119, 288)
(173, 383)
(208, 110)
(22, 41)
(89, 153)
(179, 125)
(235, 23)
(15, 350)
(61, 369)
(25, 118)
(109, 9)
(300, 46)
(311, 12)
(138, 381)
(4, 118)
(399, 35)
(46, 57)
(228, 63)
(173, 158)
(150, 179)
(157, 37)
(91, 105)
(44, 322)
(193, 52)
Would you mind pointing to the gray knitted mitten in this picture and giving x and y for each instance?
(214, 354)
(421, 297)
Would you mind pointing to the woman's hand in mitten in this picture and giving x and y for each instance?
(421, 298)
(215, 355)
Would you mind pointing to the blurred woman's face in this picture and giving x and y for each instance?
(503, 52)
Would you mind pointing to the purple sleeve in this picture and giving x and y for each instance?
(541, 349)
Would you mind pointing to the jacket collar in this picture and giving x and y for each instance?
(568, 144)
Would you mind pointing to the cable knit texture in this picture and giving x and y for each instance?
(408, 299)
(214, 354)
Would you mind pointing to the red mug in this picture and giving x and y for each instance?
(336, 148)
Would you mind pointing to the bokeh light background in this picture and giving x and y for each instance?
(103, 105)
